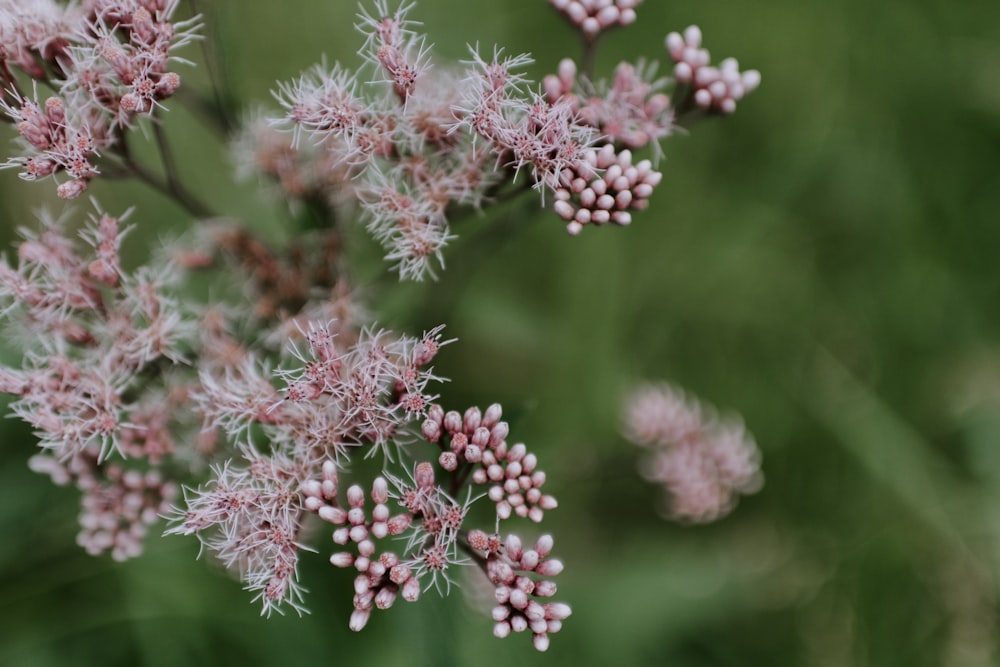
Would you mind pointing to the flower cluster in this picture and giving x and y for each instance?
(592, 16)
(703, 463)
(337, 399)
(97, 341)
(521, 592)
(251, 407)
(117, 505)
(424, 143)
(91, 333)
(107, 60)
(715, 88)
(476, 441)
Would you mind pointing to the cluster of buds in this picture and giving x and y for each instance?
(382, 577)
(603, 187)
(703, 463)
(107, 62)
(117, 505)
(593, 16)
(715, 88)
(476, 441)
(523, 585)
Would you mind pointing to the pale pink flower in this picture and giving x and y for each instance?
(703, 463)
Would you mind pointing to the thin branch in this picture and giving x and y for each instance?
(588, 60)
(215, 66)
(168, 186)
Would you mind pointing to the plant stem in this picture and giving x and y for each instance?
(216, 73)
(588, 61)
(169, 185)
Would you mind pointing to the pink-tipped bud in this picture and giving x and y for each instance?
(518, 599)
(424, 475)
(518, 623)
(380, 490)
(168, 84)
(473, 454)
(500, 572)
(498, 434)
(385, 597)
(72, 189)
(399, 574)
(529, 560)
(557, 611)
(411, 590)
(492, 415)
(399, 523)
(431, 430)
(567, 73)
(478, 540)
(334, 515)
(481, 437)
(549, 568)
(540, 642)
(545, 588)
(514, 546)
(448, 461)
(472, 419)
(355, 496)
(452, 422)
(342, 559)
(359, 619)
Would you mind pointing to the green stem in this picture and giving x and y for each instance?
(169, 186)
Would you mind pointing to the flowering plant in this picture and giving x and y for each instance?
(240, 417)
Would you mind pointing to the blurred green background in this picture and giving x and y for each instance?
(823, 263)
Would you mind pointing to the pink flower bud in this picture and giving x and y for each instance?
(411, 590)
(452, 422)
(72, 189)
(431, 430)
(448, 461)
(380, 490)
(472, 419)
(342, 559)
(334, 515)
(385, 597)
(359, 619)
(424, 475)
